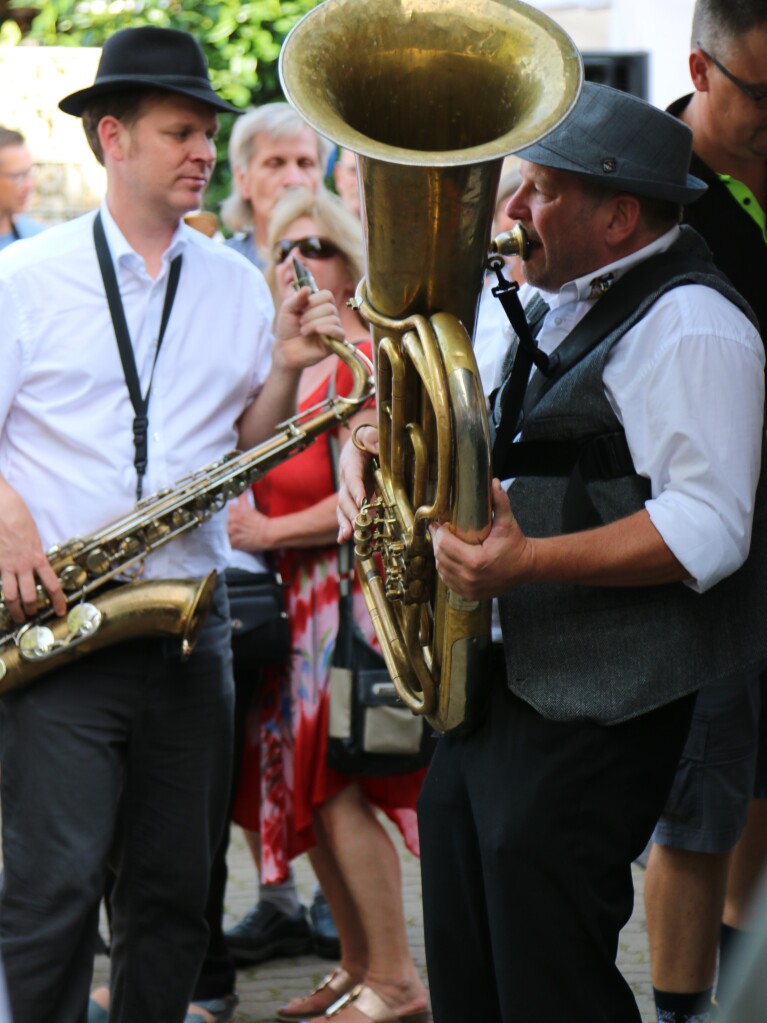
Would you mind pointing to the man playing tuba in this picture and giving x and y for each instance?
(619, 560)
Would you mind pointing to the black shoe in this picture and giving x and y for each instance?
(266, 933)
(326, 943)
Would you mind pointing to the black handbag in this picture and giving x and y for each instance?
(370, 731)
(260, 626)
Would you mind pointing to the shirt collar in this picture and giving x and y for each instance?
(592, 285)
(124, 254)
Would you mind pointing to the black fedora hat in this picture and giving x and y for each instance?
(149, 58)
(623, 143)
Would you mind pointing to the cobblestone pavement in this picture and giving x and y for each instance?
(264, 987)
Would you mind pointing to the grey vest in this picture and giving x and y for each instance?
(610, 654)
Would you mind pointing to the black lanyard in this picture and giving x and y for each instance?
(140, 404)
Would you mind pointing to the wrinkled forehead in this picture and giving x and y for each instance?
(288, 145)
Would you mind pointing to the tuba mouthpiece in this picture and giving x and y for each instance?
(511, 243)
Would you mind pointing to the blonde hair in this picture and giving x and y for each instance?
(278, 120)
(338, 224)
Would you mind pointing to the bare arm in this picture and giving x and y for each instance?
(629, 552)
(22, 559)
(251, 530)
(301, 321)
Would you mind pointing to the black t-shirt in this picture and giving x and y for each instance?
(733, 236)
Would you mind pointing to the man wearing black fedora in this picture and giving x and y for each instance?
(135, 351)
(620, 559)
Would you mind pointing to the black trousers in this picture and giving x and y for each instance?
(120, 759)
(528, 831)
(218, 974)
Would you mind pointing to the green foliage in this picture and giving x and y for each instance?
(241, 42)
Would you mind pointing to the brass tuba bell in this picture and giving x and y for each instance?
(430, 95)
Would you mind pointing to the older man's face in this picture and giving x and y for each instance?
(563, 224)
(278, 164)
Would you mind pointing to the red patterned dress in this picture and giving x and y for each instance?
(284, 776)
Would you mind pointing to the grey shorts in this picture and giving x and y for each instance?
(708, 803)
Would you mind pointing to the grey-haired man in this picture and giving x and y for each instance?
(619, 571)
(271, 149)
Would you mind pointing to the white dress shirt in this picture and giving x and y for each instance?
(687, 384)
(67, 443)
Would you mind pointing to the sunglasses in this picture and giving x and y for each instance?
(757, 97)
(310, 248)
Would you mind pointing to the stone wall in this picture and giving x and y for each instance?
(33, 79)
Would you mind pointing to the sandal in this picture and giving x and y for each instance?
(337, 983)
(370, 1005)
(221, 1009)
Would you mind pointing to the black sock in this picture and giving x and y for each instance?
(676, 1008)
(730, 943)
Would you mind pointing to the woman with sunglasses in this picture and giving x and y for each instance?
(286, 789)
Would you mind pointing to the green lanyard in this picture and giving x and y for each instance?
(745, 198)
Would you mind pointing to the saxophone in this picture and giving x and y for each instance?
(175, 607)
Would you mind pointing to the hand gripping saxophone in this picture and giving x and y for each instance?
(430, 95)
(173, 607)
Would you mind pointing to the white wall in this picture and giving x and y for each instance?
(662, 27)
(659, 27)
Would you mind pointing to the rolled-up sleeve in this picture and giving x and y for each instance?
(688, 387)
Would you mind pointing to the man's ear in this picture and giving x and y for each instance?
(241, 181)
(699, 70)
(624, 220)
(112, 136)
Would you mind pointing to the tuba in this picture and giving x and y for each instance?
(430, 95)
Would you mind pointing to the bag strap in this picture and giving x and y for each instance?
(342, 655)
(527, 355)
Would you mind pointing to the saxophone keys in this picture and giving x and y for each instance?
(157, 531)
(72, 578)
(35, 642)
(130, 547)
(97, 562)
(83, 620)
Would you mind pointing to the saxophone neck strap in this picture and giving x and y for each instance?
(140, 402)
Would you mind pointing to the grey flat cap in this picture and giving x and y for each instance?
(623, 143)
